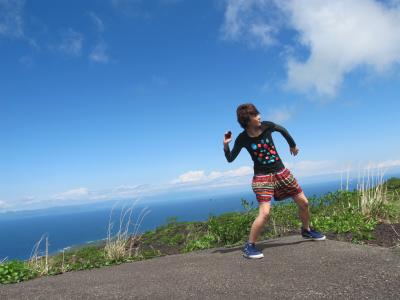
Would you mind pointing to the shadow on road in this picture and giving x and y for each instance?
(262, 245)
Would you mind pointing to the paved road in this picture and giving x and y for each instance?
(292, 268)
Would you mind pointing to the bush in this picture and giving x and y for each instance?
(230, 228)
(15, 271)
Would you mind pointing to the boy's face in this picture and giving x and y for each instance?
(255, 121)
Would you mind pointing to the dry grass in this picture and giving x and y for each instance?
(36, 261)
(116, 247)
(371, 190)
(373, 193)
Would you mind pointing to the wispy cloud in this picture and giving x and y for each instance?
(245, 20)
(97, 21)
(124, 3)
(281, 114)
(11, 20)
(306, 168)
(137, 8)
(170, 1)
(3, 204)
(192, 176)
(26, 60)
(99, 53)
(263, 33)
(341, 36)
(130, 8)
(334, 170)
(385, 164)
(199, 176)
(200, 180)
(78, 193)
(196, 180)
(71, 43)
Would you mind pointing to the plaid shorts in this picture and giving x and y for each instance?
(280, 185)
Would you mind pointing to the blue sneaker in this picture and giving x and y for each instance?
(250, 251)
(312, 234)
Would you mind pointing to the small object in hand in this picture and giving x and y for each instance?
(228, 135)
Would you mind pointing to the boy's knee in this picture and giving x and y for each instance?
(264, 216)
(304, 204)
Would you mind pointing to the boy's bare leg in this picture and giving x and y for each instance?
(259, 222)
(304, 213)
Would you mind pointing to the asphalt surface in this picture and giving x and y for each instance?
(292, 268)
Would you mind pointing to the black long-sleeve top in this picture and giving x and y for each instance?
(261, 149)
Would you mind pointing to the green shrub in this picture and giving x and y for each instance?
(230, 228)
(203, 242)
(15, 271)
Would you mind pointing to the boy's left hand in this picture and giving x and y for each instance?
(294, 150)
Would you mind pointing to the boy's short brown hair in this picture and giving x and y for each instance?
(244, 112)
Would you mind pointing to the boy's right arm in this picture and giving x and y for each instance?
(231, 155)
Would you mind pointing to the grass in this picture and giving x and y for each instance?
(343, 211)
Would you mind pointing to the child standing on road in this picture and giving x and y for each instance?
(271, 178)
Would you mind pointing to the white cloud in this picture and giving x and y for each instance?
(99, 54)
(71, 43)
(197, 176)
(341, 36)
(192, 176)
(73, 194)
(242, 171)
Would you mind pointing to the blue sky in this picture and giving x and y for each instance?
(115, 99)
